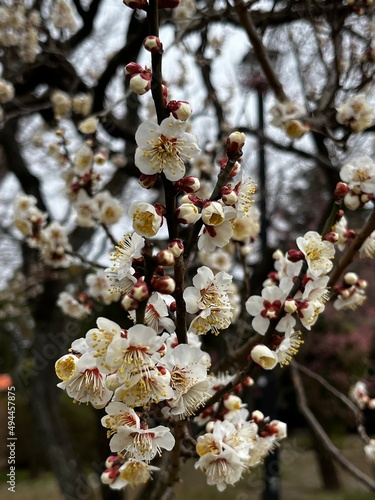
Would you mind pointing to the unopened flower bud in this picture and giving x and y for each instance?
(165, 258)
(290, 306)
(176, 247)
(295, 255)
(141, 83)
(129, 303)
(351, 278)
(332, 237)
(235, 143)
(362, 284)
(248, 382)
(148, 181)
(245, 250)
(233, 403)
(181, 110)
(352, 201)
(257, 416)
(100, 157)
(112, 383)
(188, 184)
(264, 357)
(139, 291)
(108, 476)
(191, 198)
(132, 69)
(296, 129)
(89, 125)
(187, 213)
(213, 213)
(164, 284)
(365, 197)
(209, 428)
(110, 461)
(228, 195)
(279, 427)
(277, 254)
(153, 44)
(136, 4)
(345, 294)
(340, 191)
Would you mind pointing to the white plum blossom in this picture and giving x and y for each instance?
(263, 356)
(87, 209)
(131, 353)
(72, 307)
(152, 385)
(120, 273)
(370, 451)
(119, 415)
(318, 253)
(209, 297)
(156, 314)
(359, 175)
(267, 308)
(146, 220)
(142, 444)
(188, 368)
(99, 287)
(221, 468)
(100, 338)
(133, 472)
(82, 380)
(212, 237)
(164, 148)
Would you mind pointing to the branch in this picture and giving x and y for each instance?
(259, 49)
(357, 412)
(323, 437)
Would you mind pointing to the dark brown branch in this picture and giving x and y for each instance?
(245, 19)
(323, 437)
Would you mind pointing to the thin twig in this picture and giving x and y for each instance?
(322, 435)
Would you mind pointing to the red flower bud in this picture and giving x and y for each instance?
(295, 255)
(340, 191)
(164, 284)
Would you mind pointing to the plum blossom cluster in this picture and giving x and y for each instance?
(350, 293)
(50, 239)
(19, 29)
(92, 205)
(80, 305)
(358, 185)
(276, 309)
(127, 371)
(231, 447)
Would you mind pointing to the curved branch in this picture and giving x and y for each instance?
(323, 437)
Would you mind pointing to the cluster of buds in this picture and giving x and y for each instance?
(231, 403)
(268, 428)
(112, 464)
(140, 78)
(160, 282)
(351, 293)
